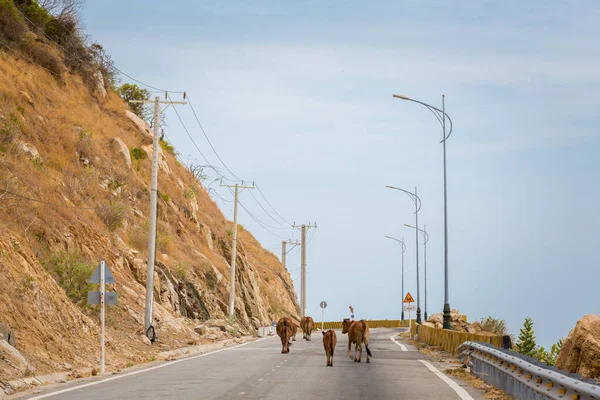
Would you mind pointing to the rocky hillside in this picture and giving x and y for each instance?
(74, 189)
(580, 351)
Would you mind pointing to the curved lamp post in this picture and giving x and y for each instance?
(417, 201)
(425, 239)
(441, 116)
(401, 243)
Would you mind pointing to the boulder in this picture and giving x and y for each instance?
(121, 148)
(437, 318)
(29, 149)
(201, 329)
(162, 159)
(477, 326)
(100, 84)
(15, 357)
(145, 340)
(6, 333)
(455, 316)
(429, 324)
(469, 328)
(219, 323)
(142, 125)
(580, 351)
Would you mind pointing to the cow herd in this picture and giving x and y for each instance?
(358, 333)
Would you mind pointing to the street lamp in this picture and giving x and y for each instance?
(425, 239)
(441, 116)
(401, 243)
(417, 201)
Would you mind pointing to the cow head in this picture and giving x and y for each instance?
(345, 325)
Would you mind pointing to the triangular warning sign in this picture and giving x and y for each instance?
(108, 276)
(408, 298)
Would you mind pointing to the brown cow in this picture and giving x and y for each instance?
(307, 325)
(285, 329)
(358, 332)
(329, 342)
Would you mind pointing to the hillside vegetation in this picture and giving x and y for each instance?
(74, 189)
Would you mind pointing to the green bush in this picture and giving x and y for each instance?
(181, 272)
(138, 153)
(129, 92)
(167, 146)
(71, 273)
(36, 15)
(526, 341)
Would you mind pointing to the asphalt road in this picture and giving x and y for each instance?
(258, 370)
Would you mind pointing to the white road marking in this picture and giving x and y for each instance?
(403, 347)
(242, 393)
(260, 380)
(462, 393)
(267, 374)
(167, 364)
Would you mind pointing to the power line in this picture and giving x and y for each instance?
(262, 224)
(208, 140)
(267, 213)
(45, 202)
(270, 205)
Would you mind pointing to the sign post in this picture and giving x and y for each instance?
(323, 307)
(408, 299)
(102, 275)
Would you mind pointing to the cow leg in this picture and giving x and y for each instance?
(359, 350)
(367, 345)
(331, 362)
(350, 349)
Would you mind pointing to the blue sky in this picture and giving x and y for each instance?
(297, 96)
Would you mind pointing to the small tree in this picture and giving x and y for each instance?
(129, 91)
(526, 341)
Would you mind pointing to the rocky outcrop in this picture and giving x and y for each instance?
(580, 351)
(29, 149)
(141, 125)
(121, 148)
(458, 322)
(100, 88)
(163, 165)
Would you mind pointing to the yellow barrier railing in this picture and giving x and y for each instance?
(373, 323)
(450, 340)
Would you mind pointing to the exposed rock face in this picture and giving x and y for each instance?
(7, 334)
(162, 159)
(121, 148)
(580, 351)
(142, 126)
(100, 84)
(29, 149)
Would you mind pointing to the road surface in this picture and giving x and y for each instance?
(258, 370)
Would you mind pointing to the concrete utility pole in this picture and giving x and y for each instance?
(234, 247)
(284, 252)
(303, 228)
(152, 231)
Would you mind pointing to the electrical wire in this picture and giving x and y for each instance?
(46, 202)
(270, 205)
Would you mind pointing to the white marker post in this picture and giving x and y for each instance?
(102, 273)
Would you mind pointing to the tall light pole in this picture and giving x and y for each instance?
(417, 201)
(401, 243)
(441, 116)
(425, 240)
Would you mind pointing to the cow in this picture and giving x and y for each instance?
(329, 342)
(358, 332)
(307, 325)
(285, 329)
(294, 331)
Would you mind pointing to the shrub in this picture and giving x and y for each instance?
(129, 92)
(495, 325)
(71, 272)
(526, 341)
(167, 146)
(181, 272)
(138, 154)
(37, 17)
(12, 26)
(111, 214)
(165, 197)
(189, 193)
(44, 56)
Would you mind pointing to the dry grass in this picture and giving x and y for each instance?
(490, 392)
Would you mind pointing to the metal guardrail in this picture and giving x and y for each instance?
(523, 377)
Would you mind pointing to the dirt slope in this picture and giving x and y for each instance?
(62, 144)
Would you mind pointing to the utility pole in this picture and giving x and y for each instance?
(284, 252)
(152, 231)
(303, 228)
(234, 247)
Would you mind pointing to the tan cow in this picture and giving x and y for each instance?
(285, 329)
(358, 332)
(329, 342)
(307, 325)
